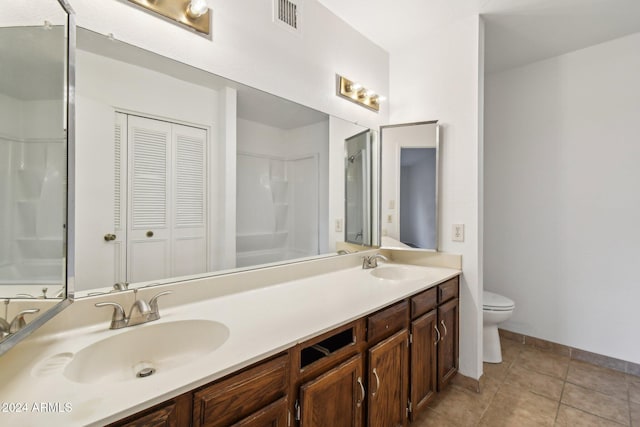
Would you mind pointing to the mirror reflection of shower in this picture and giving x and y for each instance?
(358, 189)
(278, 195)
(32, 161)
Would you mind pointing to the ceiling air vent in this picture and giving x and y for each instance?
(286, 13)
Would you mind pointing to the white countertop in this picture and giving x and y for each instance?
(262, 322)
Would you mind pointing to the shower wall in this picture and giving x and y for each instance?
(280, 198)
(32, 171)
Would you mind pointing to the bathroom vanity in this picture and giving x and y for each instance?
(383, 368)
(333, 345)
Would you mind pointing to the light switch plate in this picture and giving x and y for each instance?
(389, 218)
(338, 225)
(392, 204)
(457, 234)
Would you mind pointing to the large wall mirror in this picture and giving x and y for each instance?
(182, 173)
(36, 37)
(409, 198)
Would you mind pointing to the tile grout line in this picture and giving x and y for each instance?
(555, 420)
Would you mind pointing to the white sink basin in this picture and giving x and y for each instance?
(149, 349)
(396, 272)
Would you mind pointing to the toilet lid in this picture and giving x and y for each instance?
(493, 301)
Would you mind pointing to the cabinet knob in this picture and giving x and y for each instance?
(109, 237)
(149, 233)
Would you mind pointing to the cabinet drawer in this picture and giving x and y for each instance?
(448, 290)
(386, 322)
(274, 415)
(234, 398)
(424, 302)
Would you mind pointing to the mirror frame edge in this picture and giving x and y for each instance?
(69, 243)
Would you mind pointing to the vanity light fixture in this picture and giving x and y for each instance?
(192, 13)
(354, 92)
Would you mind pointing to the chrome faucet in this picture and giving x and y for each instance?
(16, 324)
(141, 311)
(372, 261)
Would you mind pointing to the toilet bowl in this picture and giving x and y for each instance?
(495, 309)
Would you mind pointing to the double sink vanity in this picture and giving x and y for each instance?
(326, 342)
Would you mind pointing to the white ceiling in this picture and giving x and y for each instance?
(517, 32)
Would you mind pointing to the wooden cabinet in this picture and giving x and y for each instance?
(234, 398)
(274, 415)
(424, 345)
(448, 344)
(335, 398)
(173, 413)
(434, 342)
(388, 381)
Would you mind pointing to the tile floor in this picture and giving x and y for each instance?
(533, 387)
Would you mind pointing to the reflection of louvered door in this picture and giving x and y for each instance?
(166, 200)
(120, 200)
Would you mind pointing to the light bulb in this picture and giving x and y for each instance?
(197, 8)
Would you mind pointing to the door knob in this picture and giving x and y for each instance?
(109, 237)
(149, 233)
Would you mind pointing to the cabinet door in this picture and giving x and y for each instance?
(334, 399)
(175, 413)
(423, 360)
(274, 415)
(448, 345)
(388, 381)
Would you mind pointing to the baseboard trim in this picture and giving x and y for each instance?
(467, 382)
(574, 353)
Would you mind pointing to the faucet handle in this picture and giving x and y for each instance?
(118, 319)
(18, 322)
(153, 303)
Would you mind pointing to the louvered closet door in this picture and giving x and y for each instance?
(149, 246)
(189, 245)
(120, 200)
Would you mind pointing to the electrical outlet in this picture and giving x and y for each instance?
(338, 225)
(389, 218)
(458, 233)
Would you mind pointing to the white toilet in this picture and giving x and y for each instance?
(495, 309)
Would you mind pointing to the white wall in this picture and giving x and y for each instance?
(562, 197)
(442, 81)
(248, 47)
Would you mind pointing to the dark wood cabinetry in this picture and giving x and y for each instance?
(230, 400)
(376, 371)
(424, 346)
(448, 344)
(335, 398)
(389, 381)
(173, 413)
(274, 415)
(434, 342)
